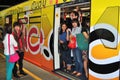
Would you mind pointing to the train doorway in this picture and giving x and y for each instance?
(64, 13)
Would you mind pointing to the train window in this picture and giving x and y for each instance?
(23, 20)
(35, 19)
(106, 27)
(8, 19)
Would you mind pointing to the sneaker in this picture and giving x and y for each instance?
(23, 73)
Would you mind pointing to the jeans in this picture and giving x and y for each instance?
(9, 68)
(66, 56)
(77, 54)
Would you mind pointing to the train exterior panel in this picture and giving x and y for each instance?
(104, 49)
(36, 17)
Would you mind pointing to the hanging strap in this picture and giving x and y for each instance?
(9, 43)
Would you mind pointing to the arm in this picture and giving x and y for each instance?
(68, 34)
(84, 32)
(23, 41)
(61, 41)
(85, 35)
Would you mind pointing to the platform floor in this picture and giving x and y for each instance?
(34, 72)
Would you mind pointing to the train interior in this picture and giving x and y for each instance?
(65, 12)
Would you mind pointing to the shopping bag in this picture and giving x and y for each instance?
(72, 42)
(82, 42)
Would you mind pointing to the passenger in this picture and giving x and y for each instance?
(19, 37)
(85, 31)
(78, 10)
(64, 50)
(77, 54)
(9, 50)
(73, 15)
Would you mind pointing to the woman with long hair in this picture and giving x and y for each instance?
(64, 50)
(8, 49)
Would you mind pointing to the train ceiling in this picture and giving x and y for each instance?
(4, 4)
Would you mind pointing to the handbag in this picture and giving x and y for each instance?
(82, 42)
(64, 46)
(15, 57)
(72, 42)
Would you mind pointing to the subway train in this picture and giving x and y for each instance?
(40, 22)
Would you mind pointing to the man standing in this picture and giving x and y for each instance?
(19, 37)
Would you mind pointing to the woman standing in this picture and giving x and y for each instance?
(77, 54)
(85, 31)
(9, 50)
(64, 50)
(19, 37)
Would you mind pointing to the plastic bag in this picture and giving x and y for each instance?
(72, 42)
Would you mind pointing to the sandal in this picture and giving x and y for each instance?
(69, 68)
(74, 72)
(78, 74)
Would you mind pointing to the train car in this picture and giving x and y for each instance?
(104, 47)
(41, 20)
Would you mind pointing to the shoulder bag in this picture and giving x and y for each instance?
(64, 46)
(72, 42)
(82, 42)
(15, 57)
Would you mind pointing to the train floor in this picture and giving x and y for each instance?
(33, 72)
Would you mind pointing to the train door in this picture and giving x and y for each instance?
(1, 34)
(64, 13)
(1, 38)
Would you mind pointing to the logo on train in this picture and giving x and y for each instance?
(34, 38)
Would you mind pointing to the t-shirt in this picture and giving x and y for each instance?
(76, 30)
(13, 44)
(62, 36)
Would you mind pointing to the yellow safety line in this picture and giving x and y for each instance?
(2, 55)
(31, 74)
(27, 71)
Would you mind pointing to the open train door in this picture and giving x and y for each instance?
(62, 12)
(1, 38)
(104, 52)
(57, 25)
